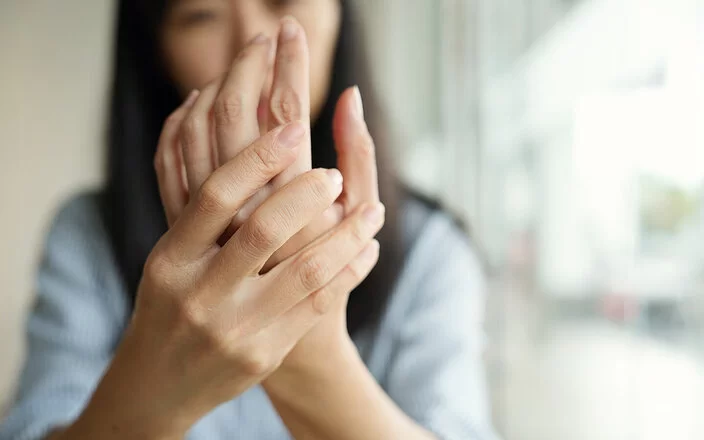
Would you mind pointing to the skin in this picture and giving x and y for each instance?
(251, 281)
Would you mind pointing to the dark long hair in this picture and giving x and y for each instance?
(142, 98)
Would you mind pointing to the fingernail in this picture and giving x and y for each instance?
(191, 98)
(335, 176)
(359, 106)
(370, 251)
(289, 30)
(373, 214)
(292, 135)
(259, 39)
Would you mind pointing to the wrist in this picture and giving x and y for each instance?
(129, 402)
(311, 374)
(97, 423)
(338, 398)
(109, 416)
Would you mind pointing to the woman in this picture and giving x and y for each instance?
(231, 315)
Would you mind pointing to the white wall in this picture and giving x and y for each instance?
(54, 57)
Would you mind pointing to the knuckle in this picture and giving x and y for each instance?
(212, 198)
(259, 233)
(199, 324)
(322, 301)
(264, 159)
(320, 187)
(257, 362)
(313, 272)
(214, 338)
(286, 105)
(228, 108)
(190, 315)
(158, 269)
(190, 129)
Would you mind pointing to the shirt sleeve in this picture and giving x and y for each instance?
(73, 327)
(436, 372)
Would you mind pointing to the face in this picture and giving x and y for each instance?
(200, 38)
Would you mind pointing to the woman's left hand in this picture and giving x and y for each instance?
(357, 163)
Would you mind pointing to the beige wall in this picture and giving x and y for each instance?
(52, 91)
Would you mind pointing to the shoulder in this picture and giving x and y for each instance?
(78, 238)
(441, 270)
(78, 229)
(77, 233)
(77, 261)
(438, 296)
(437, 241)
(79, 212)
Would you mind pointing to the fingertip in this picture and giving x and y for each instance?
(350, 107)
(357, 104)
(375, 244)
(335, 176)
(191, 98)
(289, 28)
(371, 251)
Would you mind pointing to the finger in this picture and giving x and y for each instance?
(246, 211)
(295, 323)
(168, 162)
(306, 313)
(348, 279)
(196, 138)
(355, 150)
(290, 93)
(332, 217)
(210, 211)
(278, 219)
(235, 109)
(315, 266)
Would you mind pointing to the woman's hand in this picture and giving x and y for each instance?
(221, 111)
(357, 162)
(228, 116)
(207, 325)
(233, 127)
(323, 389)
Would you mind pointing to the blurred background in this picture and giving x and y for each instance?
(568, 133)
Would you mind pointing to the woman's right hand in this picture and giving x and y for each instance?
(207, 326)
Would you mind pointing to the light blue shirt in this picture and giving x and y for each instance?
(426, 352)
